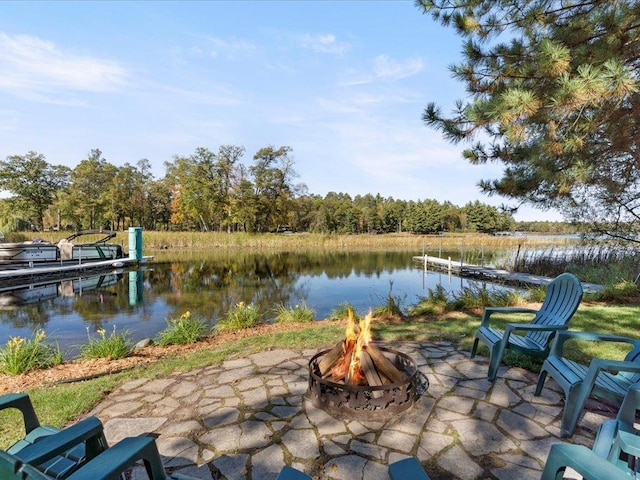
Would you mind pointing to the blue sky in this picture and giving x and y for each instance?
(343, 83)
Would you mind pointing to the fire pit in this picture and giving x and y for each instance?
(358, 379)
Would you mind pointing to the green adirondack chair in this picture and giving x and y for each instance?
(108, 465)
(615, 450)
(407, 469)
(562, 299)
(290, 473)
(73, 445)
(603, 378)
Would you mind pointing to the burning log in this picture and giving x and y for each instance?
(341, 368)
(384, 365)
(330, 358)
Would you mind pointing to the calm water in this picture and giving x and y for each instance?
(141, 300)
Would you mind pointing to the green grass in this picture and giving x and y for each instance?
(21, 354)
(182, 330)
(114, 345)
(297, 314)
(241, 315)
(59, 405)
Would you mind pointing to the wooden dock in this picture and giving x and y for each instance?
(491, 274)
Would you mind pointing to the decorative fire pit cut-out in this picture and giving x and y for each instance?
(360, 380)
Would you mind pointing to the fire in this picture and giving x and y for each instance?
(356, 360)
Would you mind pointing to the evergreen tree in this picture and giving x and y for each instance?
(555, 97)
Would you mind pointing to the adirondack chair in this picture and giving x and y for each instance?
(603, 378)
(290, 473)
(110, 464)
(583, 461)
(562, 299)
(408, 468)
(604, 444)
(80, 442)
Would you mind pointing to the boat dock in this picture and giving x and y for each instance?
(61, 269)
(490, 273)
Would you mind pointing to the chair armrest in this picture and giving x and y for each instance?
(535, 328)
(628, 443)
(22, 402)
(89, 430)
(122, 456)
(582, 460)
(563, 336)
(488, 311)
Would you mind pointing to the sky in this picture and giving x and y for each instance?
(343, 83)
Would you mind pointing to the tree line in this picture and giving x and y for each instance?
(213, 191)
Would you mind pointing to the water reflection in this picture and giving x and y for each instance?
(208, 285)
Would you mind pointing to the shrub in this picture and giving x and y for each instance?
(297, 314)
(240, 316)
(624, 289)
(436, 302)
(392, 305)
(183, 330)
(21, 355)
(342, 311)
(113, 346)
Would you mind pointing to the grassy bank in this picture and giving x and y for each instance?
(154, 240)
(64, 403)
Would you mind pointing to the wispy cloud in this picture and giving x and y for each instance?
(230, 48)
(323, 43)
(384, 68)
(37, 68)
(387, 68)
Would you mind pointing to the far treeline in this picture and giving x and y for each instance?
(209, 191)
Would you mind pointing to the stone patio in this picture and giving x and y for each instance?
(248, 417)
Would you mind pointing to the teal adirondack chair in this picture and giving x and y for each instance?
(562, 299)
(615, 450)
(603, 378)
(108, 465)
(290, 473)
(74, 445)
(407, 469)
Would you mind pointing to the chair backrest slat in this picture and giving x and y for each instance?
(563, 297)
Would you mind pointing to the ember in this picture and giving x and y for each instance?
(358, 379)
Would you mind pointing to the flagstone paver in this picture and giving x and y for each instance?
(244, 419)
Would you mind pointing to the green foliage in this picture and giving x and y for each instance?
(554, 94)
(341, 312)
(469, 298)
(536, 293)
(392, 305)
(113, 346)
(619, 291)
(21, 355)
(297, 314)
(436, 302)
(182, 330)
(240, 316)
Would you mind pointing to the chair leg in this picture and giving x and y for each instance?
(475, 347)
(575, 399)
(495, 358)
(541, 378)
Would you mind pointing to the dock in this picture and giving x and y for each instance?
(61, 269)
(490, 273)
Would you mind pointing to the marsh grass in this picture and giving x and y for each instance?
(241, 315)
(468, 299)
(341, 312)
(183, 330)
(391, 304)
(21, 354)
(297, 314)
(114, 345)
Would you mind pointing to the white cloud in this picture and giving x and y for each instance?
(36, 68)
(323, 43)
(230, 48)
(387, 68)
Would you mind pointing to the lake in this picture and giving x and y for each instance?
(207, 284)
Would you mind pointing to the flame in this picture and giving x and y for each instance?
(363, 338)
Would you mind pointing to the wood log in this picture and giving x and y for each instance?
(370, 373)
(384, 365)
(330, 358)
(341, 368)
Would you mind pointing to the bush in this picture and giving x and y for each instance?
(21, 355)
(622, 290)
(297, 314)
(113, 346)
(240, 316)
(436, 302)
(341, 312)
(183, 330)
(392, 305)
